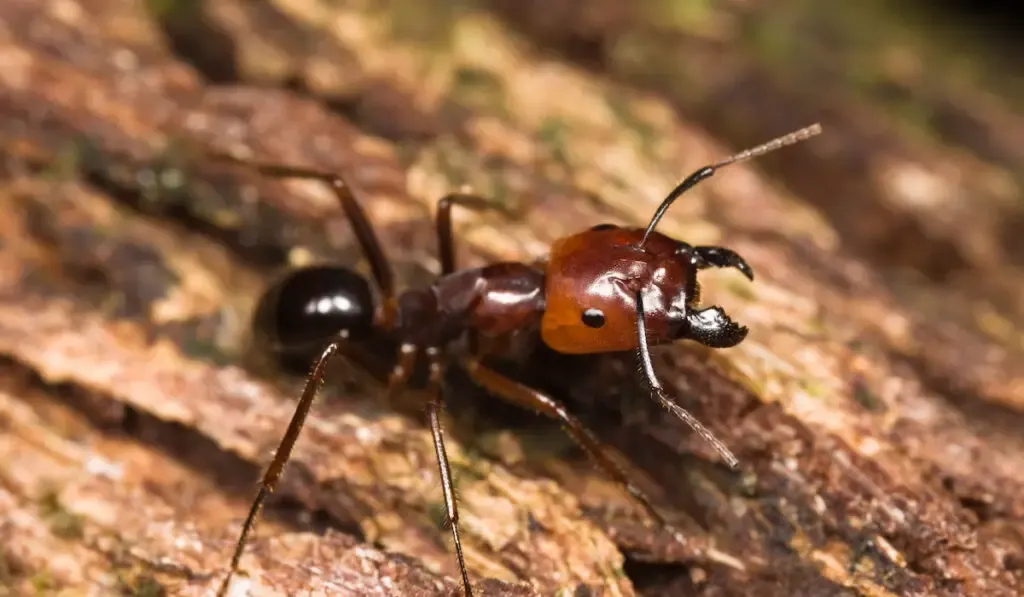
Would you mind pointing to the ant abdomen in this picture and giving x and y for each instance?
(305, 307)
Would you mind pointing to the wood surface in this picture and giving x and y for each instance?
(877, 405)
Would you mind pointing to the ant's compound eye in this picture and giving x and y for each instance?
(593, 318)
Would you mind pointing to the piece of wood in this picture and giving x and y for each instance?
(877, 419)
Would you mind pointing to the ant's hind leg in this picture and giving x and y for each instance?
(434, 406)
(371, 246)
(284, 450)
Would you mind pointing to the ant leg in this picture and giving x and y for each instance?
(403, 368)
(361, 226)
(284, 450)
(706, 256)
(445, 238)
(434, 407)
(400, 373)
(528, 397)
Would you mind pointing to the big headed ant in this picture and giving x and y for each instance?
(606, 289)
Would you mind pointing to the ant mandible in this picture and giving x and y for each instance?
(606, 289)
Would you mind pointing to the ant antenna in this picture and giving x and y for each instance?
(659, 391)
(707, 171)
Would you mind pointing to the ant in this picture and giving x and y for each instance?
(606, 289)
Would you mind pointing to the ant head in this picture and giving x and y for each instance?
(592, 284)
(615, 289)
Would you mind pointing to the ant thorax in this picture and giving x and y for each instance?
(494, 301)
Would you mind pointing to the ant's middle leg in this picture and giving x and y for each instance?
(273, 474)
(370, 245)
(445, 237)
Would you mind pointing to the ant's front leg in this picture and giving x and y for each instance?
(705, 256)
(527, 397)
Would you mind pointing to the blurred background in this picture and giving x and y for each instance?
(876, 406)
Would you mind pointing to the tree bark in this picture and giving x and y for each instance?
(876, 412)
